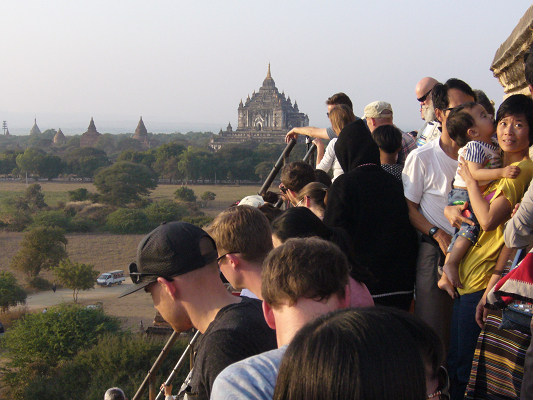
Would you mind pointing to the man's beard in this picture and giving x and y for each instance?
(429, 113)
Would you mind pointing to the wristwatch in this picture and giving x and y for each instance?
(432, 231)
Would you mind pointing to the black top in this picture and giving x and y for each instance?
(238, 331)
(369, 204)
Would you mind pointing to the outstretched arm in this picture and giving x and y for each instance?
(310, 131)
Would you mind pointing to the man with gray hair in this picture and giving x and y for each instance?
(114, 394)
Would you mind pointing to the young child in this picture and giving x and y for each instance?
(472, 128)
(389, 140)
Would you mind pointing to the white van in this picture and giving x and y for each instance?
(109, 278)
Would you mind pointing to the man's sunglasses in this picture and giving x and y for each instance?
(424, 97)
(137, 277)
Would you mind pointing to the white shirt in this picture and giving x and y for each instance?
(330, 160)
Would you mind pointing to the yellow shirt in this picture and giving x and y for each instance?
(477, 264)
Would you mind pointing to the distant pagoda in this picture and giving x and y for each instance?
(35, 129)
(89, 138)
(59, 138)
(141, 134)
(265, 117)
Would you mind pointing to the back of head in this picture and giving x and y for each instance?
(388, 138)
(296, 175)
(340, 116)
(373, 351)
(244, 230)
(439, 94)
(270, 211)
(316, 191)
(356, 147)
(487, 104)
(339, 98)
(459, 121)
(309, 268)
(323, 177)
(515, 105)
(299, 222)
(114, 394)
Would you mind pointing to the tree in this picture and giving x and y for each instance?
(31, 160)
(125, 182)
(11, 294)
(76, 276)
(85, 161)
(185, 194)
(208, 196)
(165, 210)
(41, 248)
(80, 194)
(33, 199)
(125, 220)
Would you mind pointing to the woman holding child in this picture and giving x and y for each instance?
(492, 208)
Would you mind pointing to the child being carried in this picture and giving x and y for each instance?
(473, 129)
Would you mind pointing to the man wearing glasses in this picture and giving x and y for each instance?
(177, 266)
(430, 129)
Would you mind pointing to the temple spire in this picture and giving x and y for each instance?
(268, 73)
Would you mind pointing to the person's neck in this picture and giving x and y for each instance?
(204, 303)
(386, 158)
(448, 145)
(509, 158)
(252, 279)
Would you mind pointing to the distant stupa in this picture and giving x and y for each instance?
(35, 129)
(59, 138)
(141, 134)
(89, 138)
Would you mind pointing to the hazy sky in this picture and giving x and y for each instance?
(185, 65)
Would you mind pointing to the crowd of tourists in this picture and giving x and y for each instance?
(385, 281)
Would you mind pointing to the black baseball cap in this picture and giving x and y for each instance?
(170, 250)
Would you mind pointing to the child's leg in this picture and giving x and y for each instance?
(451, 267)
(445, 284)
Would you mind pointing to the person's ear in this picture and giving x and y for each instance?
(439, 114)
(307, 201)
(268, 312)
(234, 261)
(169, 287)
(473, 133)
(345, 302)
(530, 89)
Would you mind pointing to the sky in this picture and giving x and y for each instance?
(185, 65)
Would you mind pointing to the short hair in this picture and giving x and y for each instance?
(339, 98)
(323, 177)
(296, 175)
(270, 211)
(316, 191)
(459, 122)
(487, 104)
(244, 230)
(340, 116)
(114, 394)
(270, 197)
(371, 347)
(517, 104)
(309, 268)
(439, 94)
(388, 138)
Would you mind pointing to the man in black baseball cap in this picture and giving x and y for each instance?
(177, 264)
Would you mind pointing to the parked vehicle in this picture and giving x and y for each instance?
(108, 278)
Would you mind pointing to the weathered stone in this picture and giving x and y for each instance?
(89, 138)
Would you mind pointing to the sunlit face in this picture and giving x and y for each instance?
(484, 122)
(513, 133)
(276, 241)
(171, 311)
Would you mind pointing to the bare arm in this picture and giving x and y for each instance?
(481, 174)
(319, 150)
(310, 131)
(489, 216)
(423, 225)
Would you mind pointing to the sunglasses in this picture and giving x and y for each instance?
(424, 97)
(137, 277)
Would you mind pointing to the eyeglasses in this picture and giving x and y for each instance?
(424, 97)
(224, 255)
(137, 277)
(443, 391)
(300, 202)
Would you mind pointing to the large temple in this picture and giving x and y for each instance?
(265, 117)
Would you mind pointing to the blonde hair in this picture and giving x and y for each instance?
(340, 116)
(316, 191)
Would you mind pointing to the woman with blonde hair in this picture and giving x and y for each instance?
(340, 116)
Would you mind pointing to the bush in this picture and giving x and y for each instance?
(40, 283)
(39, 342)
(16, 221)
(117, 360)
(50, 219)
(198, 221)
(185, 194)
(80, 194)
(164, 211)
(128, 221)
(9, 318)
(80, 224)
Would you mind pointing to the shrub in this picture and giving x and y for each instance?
(53, 218)
(9, 318)
(80, 194)
(200, 221)
(164, 211)
(11, 293)
(16, 221)
(185, 194)
(128, 221)
(39, 283)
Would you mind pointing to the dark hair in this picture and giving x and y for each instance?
(296, 175)
(323, 177)
(459, 122)
(364, 353)
(439, 94)
(270, 211)
(388, 138)
(270, 197)
(487, 104)
(517, 104)
(301, 222)
(310, 268)
(114, 394)
(340, 116)
(339, 98)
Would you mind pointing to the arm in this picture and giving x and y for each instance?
(423, 225)
(329, 157)
(310, 131)
(319, 150)
(489, 216)
(481, 311)
(519, 230)
(482, 174)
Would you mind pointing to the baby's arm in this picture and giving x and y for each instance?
(482, 174)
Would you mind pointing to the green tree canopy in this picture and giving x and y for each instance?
(85, 161)
(125, 182)
(208, 196)
(41, 248)
(185, 194)
(11, 293)
(76, 276)
(126, 220)
(165, 210)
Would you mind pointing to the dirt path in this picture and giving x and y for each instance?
(131, 309)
